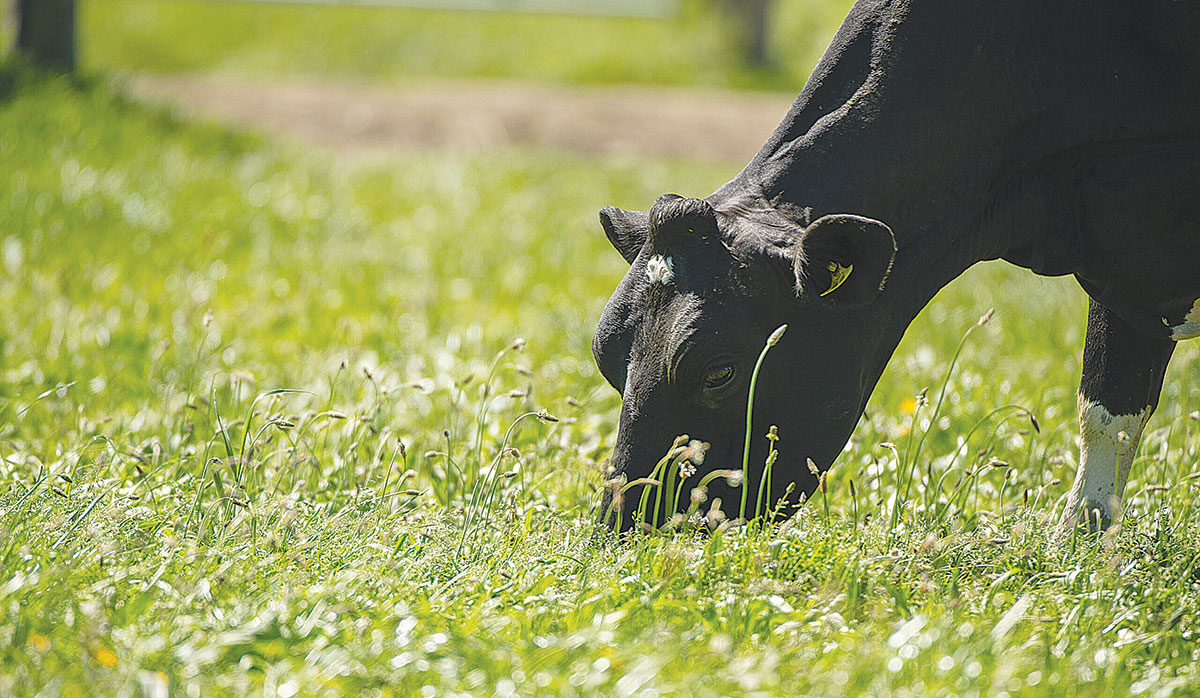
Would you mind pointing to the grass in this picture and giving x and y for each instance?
(694, 47)
(170, 521)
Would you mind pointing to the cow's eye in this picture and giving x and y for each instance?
(718, 376)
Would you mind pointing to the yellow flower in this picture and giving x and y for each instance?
(39, 642)
(105, 657)
(908, 405)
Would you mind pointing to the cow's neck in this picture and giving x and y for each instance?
(932, 118)
(884, 129)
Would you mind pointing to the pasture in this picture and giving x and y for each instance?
(269, 426)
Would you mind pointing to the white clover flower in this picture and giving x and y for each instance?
(735, 478)
(699, 448)
(686, 469)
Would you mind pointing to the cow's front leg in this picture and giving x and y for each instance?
(1122, 375)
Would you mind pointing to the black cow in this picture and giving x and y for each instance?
(1062, 137)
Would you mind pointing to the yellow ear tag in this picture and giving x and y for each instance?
(839, 274)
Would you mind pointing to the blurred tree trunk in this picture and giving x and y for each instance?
(46, 32)
(753, 18)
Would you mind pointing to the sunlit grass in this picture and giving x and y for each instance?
(404, 523)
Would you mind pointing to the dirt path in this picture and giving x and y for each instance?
(359, 119)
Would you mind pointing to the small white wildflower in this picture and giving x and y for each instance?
(686, 469)
(660, 270)
(735, 477)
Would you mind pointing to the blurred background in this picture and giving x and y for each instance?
(365, 76)
(766, 44)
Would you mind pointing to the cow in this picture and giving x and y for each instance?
(1062, 137)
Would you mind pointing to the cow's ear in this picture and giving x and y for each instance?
(626, 230)
(843, 259)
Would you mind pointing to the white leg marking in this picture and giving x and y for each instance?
(1108, 444)
(1190, 327)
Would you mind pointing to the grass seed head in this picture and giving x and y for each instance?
(930, 543)
(715, 516)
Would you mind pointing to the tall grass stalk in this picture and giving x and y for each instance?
(772, 340)
(910, 459)
(768, 470)
(482, 497)
(932, 493)
(485, 401)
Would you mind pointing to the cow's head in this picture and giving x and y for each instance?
(680, 336)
